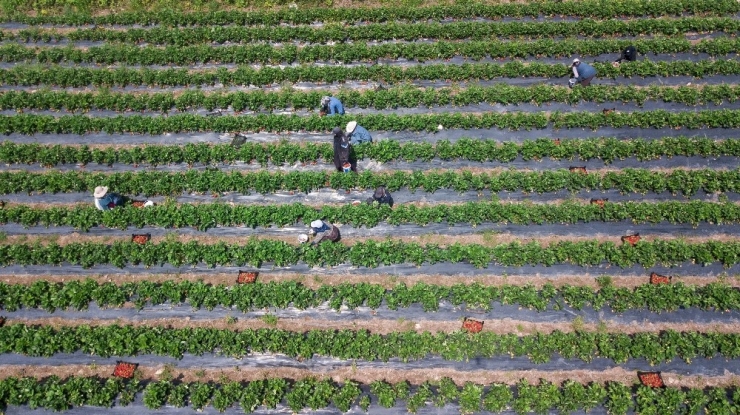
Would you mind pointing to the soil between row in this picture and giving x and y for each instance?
(368, 375)
(484, 239)
(388, 281)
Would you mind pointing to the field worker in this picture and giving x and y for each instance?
(324, 232)
(331, 106)
(629, 54)
(105, 200)
(357, 134)
(583, 73)
(381, 196)
(343, 153)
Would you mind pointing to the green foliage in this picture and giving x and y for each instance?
(401, 97)
(167, 17)
(607, 150)
(372, 254)
(249, 297)
(65, 76)
(207, 216)
(380, 31)
(117, 340)
(152, 183)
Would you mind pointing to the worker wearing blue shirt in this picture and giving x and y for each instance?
(357, 134)
(583, 73)
(331, 106)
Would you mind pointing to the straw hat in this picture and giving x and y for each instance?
(351, 127)
(100, 192)
(317, 224)
(576, 60)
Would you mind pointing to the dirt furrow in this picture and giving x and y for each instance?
(368, 375)
(315, 281)
(484, 239)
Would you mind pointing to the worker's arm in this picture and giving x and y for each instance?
(320, 237)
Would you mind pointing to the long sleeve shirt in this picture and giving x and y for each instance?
(360, 135)
(335, 107)
(584, 71)
(331, 234)
(104, 202)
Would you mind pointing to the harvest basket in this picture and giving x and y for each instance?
(138, 203)
(577, 169)
(651, 379)
(657, 279)
(472, 326)
(125, 370)
(599, 202)
(246, 277)
(141, 238)
(631, 239)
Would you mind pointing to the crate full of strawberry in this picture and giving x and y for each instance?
(651, 379)
(472, 326)
(125, 370)
(246, 277)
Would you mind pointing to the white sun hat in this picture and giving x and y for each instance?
(317, 224)
(351, 127)
(576, 60)
(100, 192)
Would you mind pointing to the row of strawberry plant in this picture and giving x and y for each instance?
(523, 398)
(380, 32)
(206, 216)
(61, 76)
(249, 297)
(115, 340)
(407, 97)
(150, 183)
(155, 125)
(606, 149)
(372, 254)
(354, 52)
(590, 8)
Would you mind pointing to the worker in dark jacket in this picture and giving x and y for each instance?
(628, 54)
(324, 232)
(331, 106)
(381, 197)
(583, 73)
(343, 152)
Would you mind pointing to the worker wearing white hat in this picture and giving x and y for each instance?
(357, 134)
(105, 200)
(324, 232)
(583, 73)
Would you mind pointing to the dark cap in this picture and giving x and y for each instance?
(379, 192)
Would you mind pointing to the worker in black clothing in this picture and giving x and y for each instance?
(381, 196)
(343, 152)
(628, 54)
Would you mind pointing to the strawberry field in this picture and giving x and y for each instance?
(550, 250)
